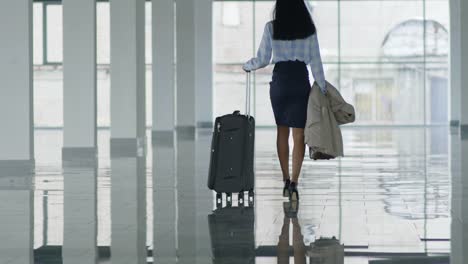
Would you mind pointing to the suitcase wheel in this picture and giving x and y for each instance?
(241, 198)
(228, 198)
(251, 197)
(219, 199)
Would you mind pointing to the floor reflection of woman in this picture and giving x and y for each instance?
(299, 248)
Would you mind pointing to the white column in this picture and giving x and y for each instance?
(455, 63)
(464, 198)
(127, 74)
(204, 63)
(163, 65)
(461, 233)
(16, 93)
(456, 238)
(186, 82)
(128, 210)
(17, 218)
(186, 199)
(459, 196)
(164, 202)
(79, 77)
(204, 199)
(80, 210)
(464, 65)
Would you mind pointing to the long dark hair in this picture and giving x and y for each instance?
(292, 20)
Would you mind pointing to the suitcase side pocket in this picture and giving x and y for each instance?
(213, 155)
(249, 155)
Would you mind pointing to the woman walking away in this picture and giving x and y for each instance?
(290, 42)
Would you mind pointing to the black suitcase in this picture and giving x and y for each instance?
(232, 154)
(232, 235)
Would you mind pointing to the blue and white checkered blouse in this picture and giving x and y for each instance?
(306, 50)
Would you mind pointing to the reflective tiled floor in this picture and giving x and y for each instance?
(397, 197)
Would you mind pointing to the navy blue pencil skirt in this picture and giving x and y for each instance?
(289, 93)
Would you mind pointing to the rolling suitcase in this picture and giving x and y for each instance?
(232, 154)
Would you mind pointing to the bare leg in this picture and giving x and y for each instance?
(282, 146)
(298, 153)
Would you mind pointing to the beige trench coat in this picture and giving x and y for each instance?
(324, 115)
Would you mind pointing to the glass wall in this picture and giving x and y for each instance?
(389, 58)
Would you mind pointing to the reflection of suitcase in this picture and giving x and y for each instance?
(232, 235)
(232, 154)
(326, 251)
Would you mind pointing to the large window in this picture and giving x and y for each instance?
(388, 58)
(48, 58)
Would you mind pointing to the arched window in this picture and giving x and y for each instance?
(406, 40)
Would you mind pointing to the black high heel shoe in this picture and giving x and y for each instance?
(293, 193)
(286, 188)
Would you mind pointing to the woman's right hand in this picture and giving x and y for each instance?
(324, 90)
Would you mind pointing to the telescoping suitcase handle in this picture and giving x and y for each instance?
(247, 95)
